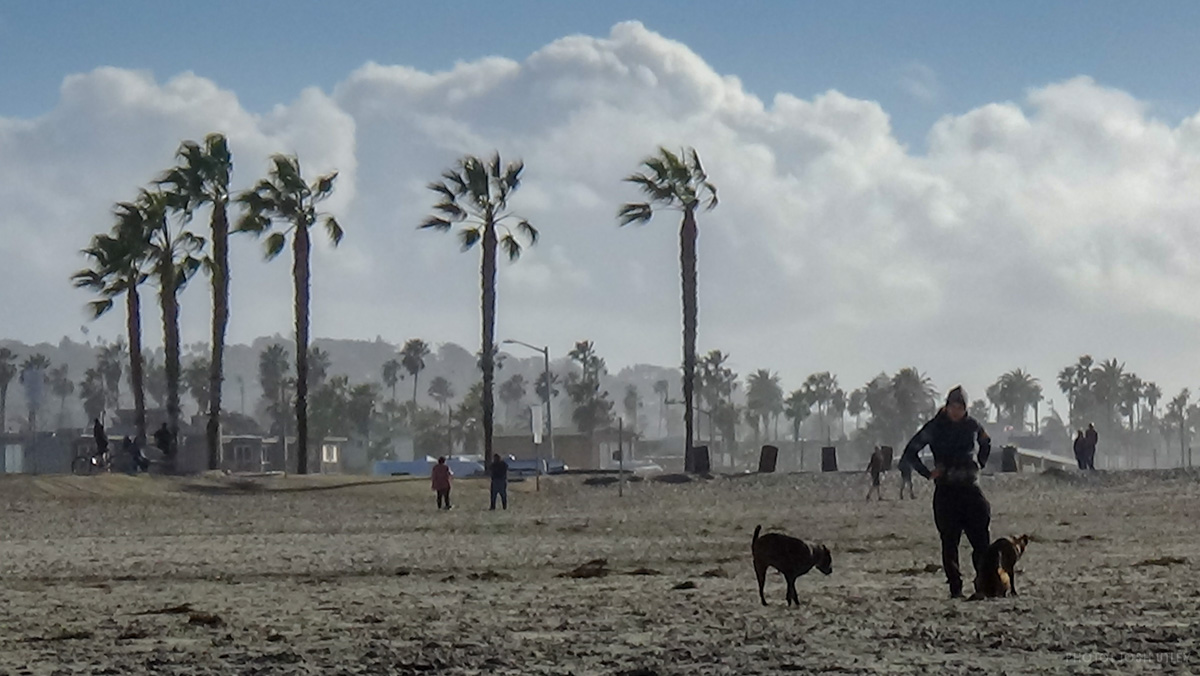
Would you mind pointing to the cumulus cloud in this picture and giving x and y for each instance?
(1028, 233)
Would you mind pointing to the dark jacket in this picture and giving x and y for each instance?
(952, 444)
(499, 471)
(1091, 437)
(1081, 445)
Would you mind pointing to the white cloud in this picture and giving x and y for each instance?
(1030, 232)
(920, 82)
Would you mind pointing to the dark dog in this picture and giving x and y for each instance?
(997, 576)
(789, 556)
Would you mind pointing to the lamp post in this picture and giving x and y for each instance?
(546, 374)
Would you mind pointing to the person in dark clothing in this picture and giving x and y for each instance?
(1091, 437)
(875, 469)
(101, 439)
(1080, 448)
(959, 505)
(499, 473)
(162, 439)
(137, 461)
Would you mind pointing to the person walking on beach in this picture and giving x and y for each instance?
(162, 439)
(441, 482)
(1080, 448)
(959, 505)
(1091, 437)
(101, 439)
(906, 479)
(499, 473)
(875, 469)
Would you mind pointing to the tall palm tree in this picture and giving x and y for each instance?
(677, 182)
(8, 371)
(285, 196)
(797, 407)
(631, 402)
(196, 381)
(273, 377)
(119, 264)
(391, 375)
(202, 177)
(915, 397)
(856, 405)
(512, 391)
(1177, 413)
(1152, 394)
(174, 256)
(91, 392)
(764, 397)
(821, 388)
(61, 387)
(412, 357)
(110, 361)
(319, 363)
(441, 391)
(476, 195)
(33, 379)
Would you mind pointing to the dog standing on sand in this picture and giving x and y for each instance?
(997, 576)
(789, 556)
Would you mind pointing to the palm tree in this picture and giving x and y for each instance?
(475, 194)
(174, 256)
(631, 403)
(273, 377)
(763, 397)
(677, 182)
(196, 381)
(821, 388)
(91, 392)
(202, 177)
(285, 196)
(8, 371)
(662, 389)
(119, 265)
(1015, 392)
(61, 387)
(33, 379)
(797, 407)
(856, 405)
(319, 363)
(391, 375)
(412, 357)
(441, 391)
(915, 397)
(512, 391)
(1152, 394)
(1177, 413)
(109, 360)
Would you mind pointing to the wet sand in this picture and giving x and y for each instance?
(125, 575)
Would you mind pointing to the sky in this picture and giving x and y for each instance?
(959, 187)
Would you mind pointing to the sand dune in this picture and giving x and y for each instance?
(140, 575)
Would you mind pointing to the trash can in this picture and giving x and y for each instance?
(1009, 461)
(889, 455)
(829, 459)
(767, 459)
(700, 460)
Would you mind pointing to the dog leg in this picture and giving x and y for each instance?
(760, 570)
(1012, 580)
(793, 597)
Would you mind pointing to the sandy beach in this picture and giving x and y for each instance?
(340, 575)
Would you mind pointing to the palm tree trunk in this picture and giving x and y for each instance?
(489, 331)
(687, 262)
(301, 274)
(4, 409)
(414, 399)
(137, 378)
(170, 310)
(220, 289)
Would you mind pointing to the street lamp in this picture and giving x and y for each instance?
(546, 362)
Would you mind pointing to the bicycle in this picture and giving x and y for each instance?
(91, 463)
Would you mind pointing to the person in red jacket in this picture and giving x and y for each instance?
(441, 482)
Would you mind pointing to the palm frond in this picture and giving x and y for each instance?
(658, 191)
(435, 223)
(639, 213)
(324, 185)
(468, 237)
(253, 222)
(334, 230)
(512, 175)
(275, 244)
(451, 209)
(99, 306)
(511, 247)
(529, 231)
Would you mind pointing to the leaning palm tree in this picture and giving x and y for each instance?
(119, 264)
(202, 177)
(677, 182)
(174, 256)
(8, 371)
(412, 357)
(285, 196)
(475, 194)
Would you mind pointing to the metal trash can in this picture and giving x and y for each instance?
(1009, 460)
(889, 455)
(700, 460)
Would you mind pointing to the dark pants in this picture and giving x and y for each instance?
(500, 488)
(959, 509)
(443, 499)
(1081, 458)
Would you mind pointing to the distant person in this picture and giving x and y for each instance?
(1092, 437)
(499, 473)
(1080, 448)
(906, 479)
(137, 460)
(441, 482)
(875, 469)
(959, 505)
(101, 439)
(162, 439)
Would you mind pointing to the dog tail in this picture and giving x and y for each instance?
(757, 530)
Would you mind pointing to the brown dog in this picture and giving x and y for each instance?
(789, 556)
(997, 575)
